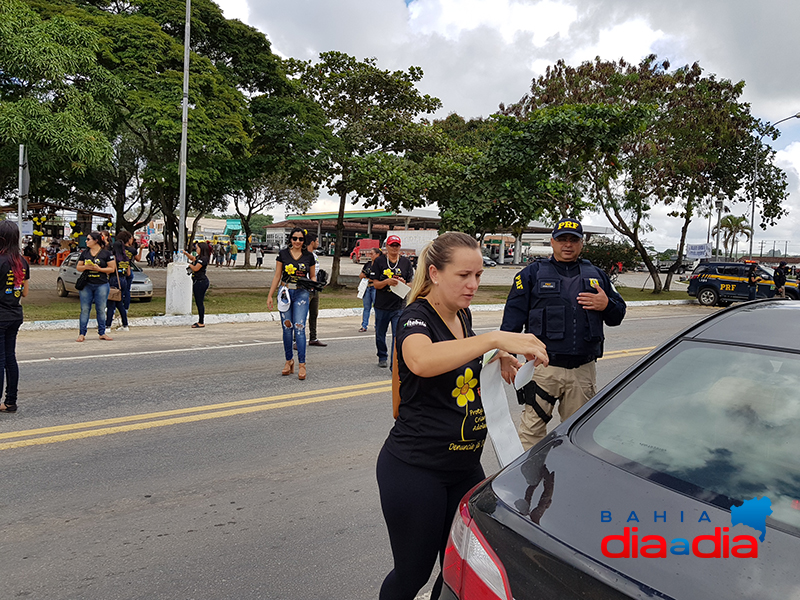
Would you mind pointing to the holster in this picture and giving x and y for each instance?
(527, 395)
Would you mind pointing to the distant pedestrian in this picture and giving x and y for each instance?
(293, 263)
(752, 282)
(368, 299)
(234, 254)
(14, 276)
(259, 257)
(387, 271)
(198, 265)
(119, 280)
(779, 278)
(99, 262)
(312, 243)
(228, 254)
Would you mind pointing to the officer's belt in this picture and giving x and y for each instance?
(568, 361)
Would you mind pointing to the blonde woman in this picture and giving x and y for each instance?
(432, 455)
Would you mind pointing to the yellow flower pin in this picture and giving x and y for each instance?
(464, 384)
(290, 269)
(388, 272)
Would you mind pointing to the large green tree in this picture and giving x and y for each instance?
(54, 96)
(373, 116)
(692, 151)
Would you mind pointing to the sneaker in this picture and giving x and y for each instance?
(124, 328)
(317, 343)
(363, 329)
(383, 364)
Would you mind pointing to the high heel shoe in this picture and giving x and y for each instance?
(288, 368)
(301, 371)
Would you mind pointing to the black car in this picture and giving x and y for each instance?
(680, 479)
(722, 283)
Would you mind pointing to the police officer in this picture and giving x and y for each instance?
(563, 301)
(779, 278)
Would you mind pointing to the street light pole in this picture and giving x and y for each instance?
(755, 184)
(719, 204)
(184, 133)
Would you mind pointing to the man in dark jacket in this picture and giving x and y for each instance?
(564, 301)
(779, 277)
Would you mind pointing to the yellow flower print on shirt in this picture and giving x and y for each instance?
(388, 272)
(290, 269)
(464, 384)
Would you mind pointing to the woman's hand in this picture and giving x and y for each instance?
(269, 303)
(523, 343)
(509, 365)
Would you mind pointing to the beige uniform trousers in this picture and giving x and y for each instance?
(572, 387)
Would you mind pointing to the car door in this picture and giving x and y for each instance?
(766, 287)
(68, 272)
(732, 283)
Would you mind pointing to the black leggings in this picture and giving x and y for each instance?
(199, 289)
(418, 506)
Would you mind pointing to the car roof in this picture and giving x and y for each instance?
(764, 323)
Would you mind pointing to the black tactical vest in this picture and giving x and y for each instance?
(556, 317)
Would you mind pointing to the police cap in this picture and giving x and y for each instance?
(569, 225)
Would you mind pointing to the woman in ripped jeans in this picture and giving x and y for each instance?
(293, 264)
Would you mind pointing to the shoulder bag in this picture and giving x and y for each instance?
(83, 279)
(115, 293)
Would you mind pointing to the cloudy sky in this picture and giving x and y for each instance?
(479, 53)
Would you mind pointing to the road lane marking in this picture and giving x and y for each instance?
(624, 353)
(209, 412)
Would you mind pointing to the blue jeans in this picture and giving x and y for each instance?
(8, 360)
(293, 322)
(119, 304)
(368, 301)
(126, 292)
(97, 294)
(382, 320)
(199, 289)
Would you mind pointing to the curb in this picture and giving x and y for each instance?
(264, 317)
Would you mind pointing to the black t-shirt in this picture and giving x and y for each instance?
(200, 274)
(130, 255)
(441, 424)
(103, 258)
(382, 268)
(294, 269)
(10, 308)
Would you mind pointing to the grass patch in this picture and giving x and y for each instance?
(49, 307)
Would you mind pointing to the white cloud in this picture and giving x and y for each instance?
(449, 18)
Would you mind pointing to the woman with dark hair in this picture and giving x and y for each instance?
(133, 251)
(198, 265)
(432, 455)
(14, 275)
(752, 282)
(119, 279)
(293, 264)
(99, 262)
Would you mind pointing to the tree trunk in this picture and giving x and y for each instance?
(337, 253)
(679, 262)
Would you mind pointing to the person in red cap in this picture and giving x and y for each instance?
(387, 271)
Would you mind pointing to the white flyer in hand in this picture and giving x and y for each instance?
(401, 289)
(524, 375)
(502, 432)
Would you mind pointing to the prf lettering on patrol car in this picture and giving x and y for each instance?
(568, 225)
(727, 287)
(518, 282)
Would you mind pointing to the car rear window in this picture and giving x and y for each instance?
(717, 422)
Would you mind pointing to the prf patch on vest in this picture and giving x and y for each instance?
(518, 282)
(594, 283)
(547, 285)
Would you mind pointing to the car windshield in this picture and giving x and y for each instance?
(720, 423)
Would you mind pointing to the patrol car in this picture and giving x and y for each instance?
(718, 283)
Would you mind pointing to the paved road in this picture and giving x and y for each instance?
(176, 463)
